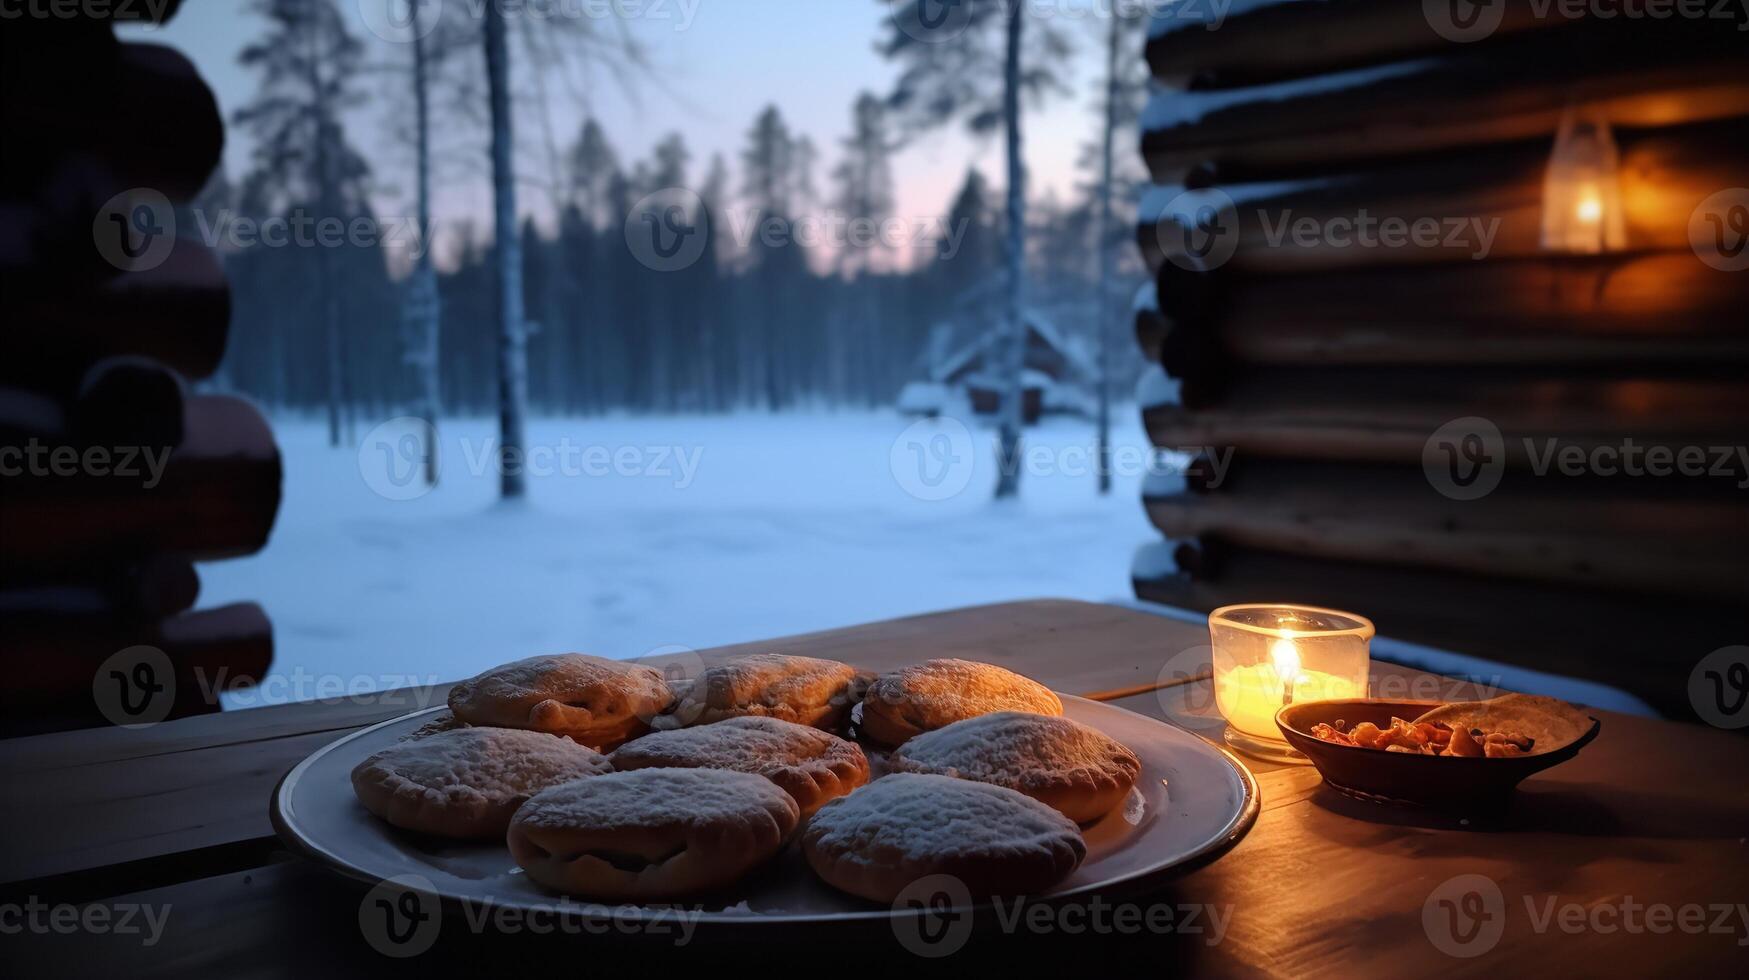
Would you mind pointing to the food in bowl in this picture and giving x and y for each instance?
(1500, 728)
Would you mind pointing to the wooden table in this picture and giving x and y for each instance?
(1649, 821)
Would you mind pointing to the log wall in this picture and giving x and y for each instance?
(1326, 386)
(116, 477)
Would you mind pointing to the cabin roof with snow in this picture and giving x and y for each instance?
(1049, 351)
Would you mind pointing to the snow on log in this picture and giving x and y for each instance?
(1365, 415)
(1155, 390)
(1255, 41)
(1471, 207)
(1683, 71)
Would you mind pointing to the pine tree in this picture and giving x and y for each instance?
(308, 61)
(768, 185)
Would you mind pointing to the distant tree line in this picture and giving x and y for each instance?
(758, 320)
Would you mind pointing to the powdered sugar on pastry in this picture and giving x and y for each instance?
(811, 765)
(938, 693)
(466, 782)
(1079, 771)
(596, 701)
(651, 834)
(881, 838)
(651, 798)
(799, 689)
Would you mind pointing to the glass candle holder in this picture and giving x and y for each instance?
(1268, 656)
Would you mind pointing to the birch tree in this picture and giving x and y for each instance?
(433, 42)
(1125, 83)
(507, 279)
(950, 54)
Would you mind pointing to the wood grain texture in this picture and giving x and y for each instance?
(1641, 73)
(1650, 310)
(1328, 886)
(1448, 208)
(1623, 535)
(1265, 42)
(1321, 887)
(1387, 415)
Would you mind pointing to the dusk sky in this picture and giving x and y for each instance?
(718, 63)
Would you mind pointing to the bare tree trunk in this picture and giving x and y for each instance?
(512, 350)
(1102, 228)
(1012, 411)
(424, 276)
(326, 276)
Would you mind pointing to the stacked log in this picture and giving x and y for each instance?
(1332, 389)
(114, 477)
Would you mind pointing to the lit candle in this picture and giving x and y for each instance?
(1269, 656)
(1285, 657)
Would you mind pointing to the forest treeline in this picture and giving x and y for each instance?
(760, 327)
(758, 320)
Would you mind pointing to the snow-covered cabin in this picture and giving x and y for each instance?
(963, 370)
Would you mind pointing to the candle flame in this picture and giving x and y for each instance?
(1590, 210)
(1287, 659)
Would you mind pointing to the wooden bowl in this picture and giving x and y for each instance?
(1440, 782)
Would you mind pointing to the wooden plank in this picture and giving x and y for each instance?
(1387, 415)
(1258, 42)
(1321, 886)
(1640, 73)
(1326, 886)
(1652, 310)
(1450, 208)
(103, 797)
(1623, 535)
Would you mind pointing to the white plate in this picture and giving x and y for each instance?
(1192, 802)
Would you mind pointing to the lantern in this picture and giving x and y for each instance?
(1582, 211)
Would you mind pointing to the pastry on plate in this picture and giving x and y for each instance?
(888, 835)
(595, 701)
(810, 765)
(769, 685)
(466, 782)
(937, 693)
(651, 835)
(1078, 771)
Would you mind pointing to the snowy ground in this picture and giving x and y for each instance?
(648, 533)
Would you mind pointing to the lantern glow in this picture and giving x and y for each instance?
(1582, 205)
